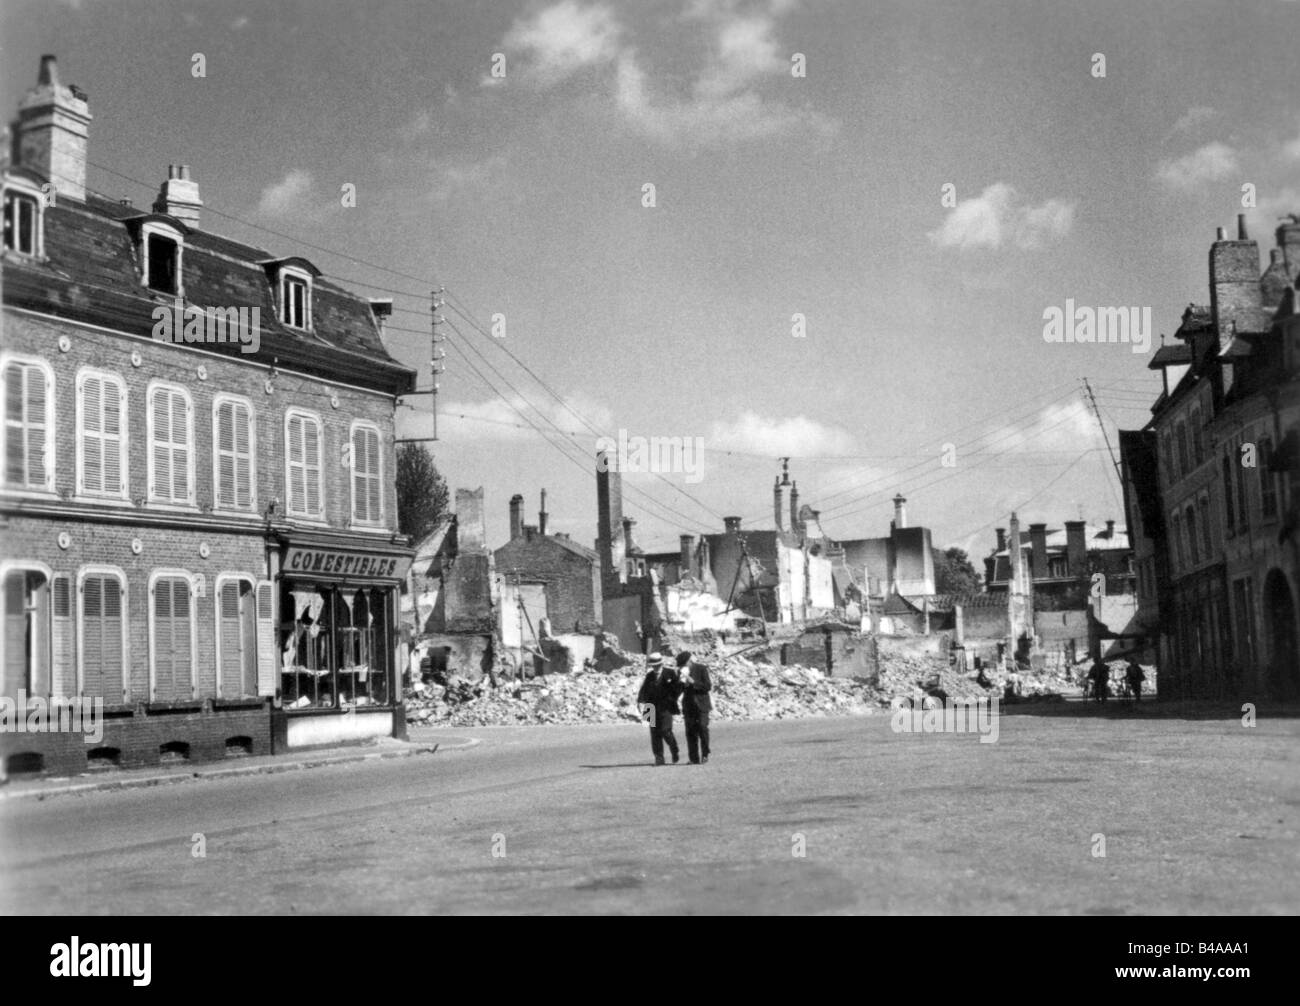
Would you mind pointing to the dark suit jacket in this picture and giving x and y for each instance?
(662, 692)
(696, 696)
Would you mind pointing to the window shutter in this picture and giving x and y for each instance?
(297, 474)
(228, 679)
(173, 656)
(180, 428)
(92, 434)
(225, 437)
(161, 446)
(312, 460)
(34, 421)
(102, 656)
(63, 645)
(114, 404)
(15, 426)
(266, 650)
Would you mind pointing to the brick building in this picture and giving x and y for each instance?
(1215, 476)
(200, 533)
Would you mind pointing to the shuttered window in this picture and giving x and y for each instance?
(63, 646)
(170, 445)
(28, 394)
(266, 666)
(173, 651)
(237, 638)
(22, 223)
(103, 660)
(303, 433)
(366, 481)
(101, 410)
(233, 450)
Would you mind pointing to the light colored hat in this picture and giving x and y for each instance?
(654, 658)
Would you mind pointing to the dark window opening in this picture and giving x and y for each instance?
(105, 757)
(173, 751)
(162, 255)
(293, 302)
(334, 645)
(239, 747)
(25, 763)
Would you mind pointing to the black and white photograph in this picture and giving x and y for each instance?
(652, 458)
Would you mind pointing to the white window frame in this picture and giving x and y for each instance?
(189, 578)
(299, 275)
(362, 424)
(27, 190)
(8, 566)
(23, 359)
(82, 492)
(160, 229)
(153, 496)
(224, 398)
(317, 518)
(96, 569)
(223, 578)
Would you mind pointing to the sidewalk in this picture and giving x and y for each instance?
(423, 741)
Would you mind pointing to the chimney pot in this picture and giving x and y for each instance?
(1241, 228)
(1220, 234)
(900, 513)
(731, 523)
(516, 516)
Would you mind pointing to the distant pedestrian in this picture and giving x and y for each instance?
(696, 706)
(1100, 680)
(658, 699)
(1135, 678)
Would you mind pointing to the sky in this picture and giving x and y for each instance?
(828, 231)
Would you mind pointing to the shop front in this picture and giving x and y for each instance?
(337, 637)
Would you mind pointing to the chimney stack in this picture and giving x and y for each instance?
(541, 517)
(795, 526)
(1015, 559)
(1234, 282)
(516, 516)
(732, 524)
(1288, 239)
(628, 544)
(778, 502)
(1241, 227)
(688, 556)
(1110, 529)
(1076, 548)
(179, 196)
(609, 523)
(1038, 550)
(900, 512)
(1002, 539)
(52, 130)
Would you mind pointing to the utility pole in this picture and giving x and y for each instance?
(435, 366)
(1106, 437)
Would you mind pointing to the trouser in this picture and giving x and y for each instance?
(661, 730)
(1137, 691)
(697, 734)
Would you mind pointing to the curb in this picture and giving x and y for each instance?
(164, 779)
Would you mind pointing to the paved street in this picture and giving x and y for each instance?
(1199, 816)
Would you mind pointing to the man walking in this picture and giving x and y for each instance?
(696, 706)
(658, 699)
(1100, 680)
(1135, 678)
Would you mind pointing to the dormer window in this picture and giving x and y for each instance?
(162, 249)
(24, 208)
(295, 299)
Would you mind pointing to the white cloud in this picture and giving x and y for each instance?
(1210, 163)
(779, 436)
(746, 50)
(240, 23)
(482, 175)
(497, 419)
(996, 217)
(1065, 426)
(1291, 149)
(560, 40)
(1273, 204)
(289, 196)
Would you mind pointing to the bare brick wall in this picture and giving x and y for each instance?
(573, 595)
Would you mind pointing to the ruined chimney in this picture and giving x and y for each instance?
(628, 544)
(1015, 559)
(795, 526)
(179, 196)
(900, 511)
(516, 516)
(1002, 539)
(688, 556)
(609, 523)
(1076, 548)
(1110, 529)
(778, 503)
(817, 522)
(1234, 282)
(541, 517)
(1288, 240)
(1038, 550)
(52, 130)
(732, 524)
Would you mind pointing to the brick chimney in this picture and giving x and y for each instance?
(900, 511)
(1002, 539)
(1076, 548)
(732, 524)
(1234, 281)
(1038, 550)
(628, 524)
(541, 517)
(609, 523)
(52, 130)
(1015, 559)
(778, 504)
(1288, 240)
(688, 555)
(516, 516)
(179, 196)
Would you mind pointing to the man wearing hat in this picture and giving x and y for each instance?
(696, 706)
(658, 699)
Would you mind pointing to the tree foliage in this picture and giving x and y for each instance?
(954, 573)
(422, 497)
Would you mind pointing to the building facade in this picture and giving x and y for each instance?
(198, 501)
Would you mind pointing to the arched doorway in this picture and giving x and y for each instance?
(1280, 626)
